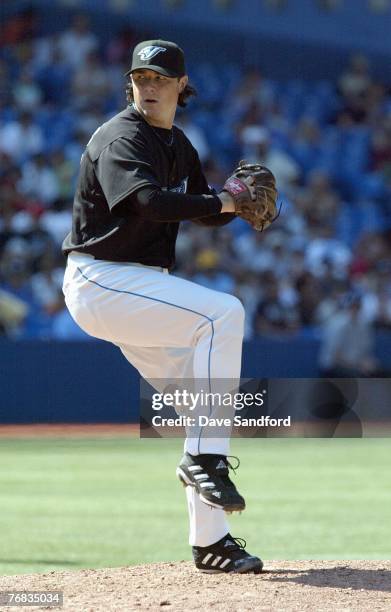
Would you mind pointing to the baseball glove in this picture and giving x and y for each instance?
(255, 201)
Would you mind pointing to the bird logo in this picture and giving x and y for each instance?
(149, 52)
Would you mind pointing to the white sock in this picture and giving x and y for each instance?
(207, 524)
(209, 446)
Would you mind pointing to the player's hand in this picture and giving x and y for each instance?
(227, 201)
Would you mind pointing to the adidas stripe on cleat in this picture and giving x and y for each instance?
(226, 556)
(208, 474)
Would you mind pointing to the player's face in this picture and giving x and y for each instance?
(156, 96)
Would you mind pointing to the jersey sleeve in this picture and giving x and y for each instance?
(123, 167)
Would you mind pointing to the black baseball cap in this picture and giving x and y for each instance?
(161, 56)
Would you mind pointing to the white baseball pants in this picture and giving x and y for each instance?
(167, 328)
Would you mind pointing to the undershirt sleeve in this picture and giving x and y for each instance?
(167, 206)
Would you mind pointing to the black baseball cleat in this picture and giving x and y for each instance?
(208, 474)
(225, 557)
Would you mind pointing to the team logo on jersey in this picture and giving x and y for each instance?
(181, 188)
(149, 52)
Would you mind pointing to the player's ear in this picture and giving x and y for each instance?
(183, 82)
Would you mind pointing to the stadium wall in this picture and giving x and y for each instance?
(91, 382)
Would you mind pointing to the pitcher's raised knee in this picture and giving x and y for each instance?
(233, 312)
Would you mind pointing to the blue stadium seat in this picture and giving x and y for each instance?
(346, 225)
(8, 114)
(373, 186)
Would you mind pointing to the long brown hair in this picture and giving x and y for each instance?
(183, 97)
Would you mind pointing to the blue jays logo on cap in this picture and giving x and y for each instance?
(159, 55)
(149, 52)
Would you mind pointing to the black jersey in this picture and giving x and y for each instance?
(126, 157)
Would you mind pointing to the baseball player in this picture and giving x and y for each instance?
(139, 177)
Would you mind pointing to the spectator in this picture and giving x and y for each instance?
(90, 82)
(376, 300)
(356, 79)
(54, 78)
(252, 251)
(39, 180)
(42, 53)
(196, 136)
(15, 269)
(210, 272)
(381, 149)
(88, 120)
(253, 96)
(5, 90)
(277, 122)
(383, 315)
(57, 219)
(9, 176)
(257, 146)
(306, 141)
(309, 296)
(26, 92)
(273, 316)
(7, 230)
(214, 278)
(330, 304)
(249, 292)
(307, 132)
(348, 343)
(324, 247)
(21, 138)
(117, 51)
(19, 27)
(13, 311)
(73, 150)
(296, 264)
(64, 170)
(77, 41)
(318, 201)
(47, 283)
(356, 88)
(371, 248)
(39, 241)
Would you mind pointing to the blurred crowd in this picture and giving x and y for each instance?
(329, 145)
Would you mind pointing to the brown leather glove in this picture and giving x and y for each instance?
(255, 203)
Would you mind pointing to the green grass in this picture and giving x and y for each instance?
(67, 504)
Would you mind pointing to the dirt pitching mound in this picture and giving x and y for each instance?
(284, 586)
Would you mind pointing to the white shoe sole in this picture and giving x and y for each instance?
(255, 570)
